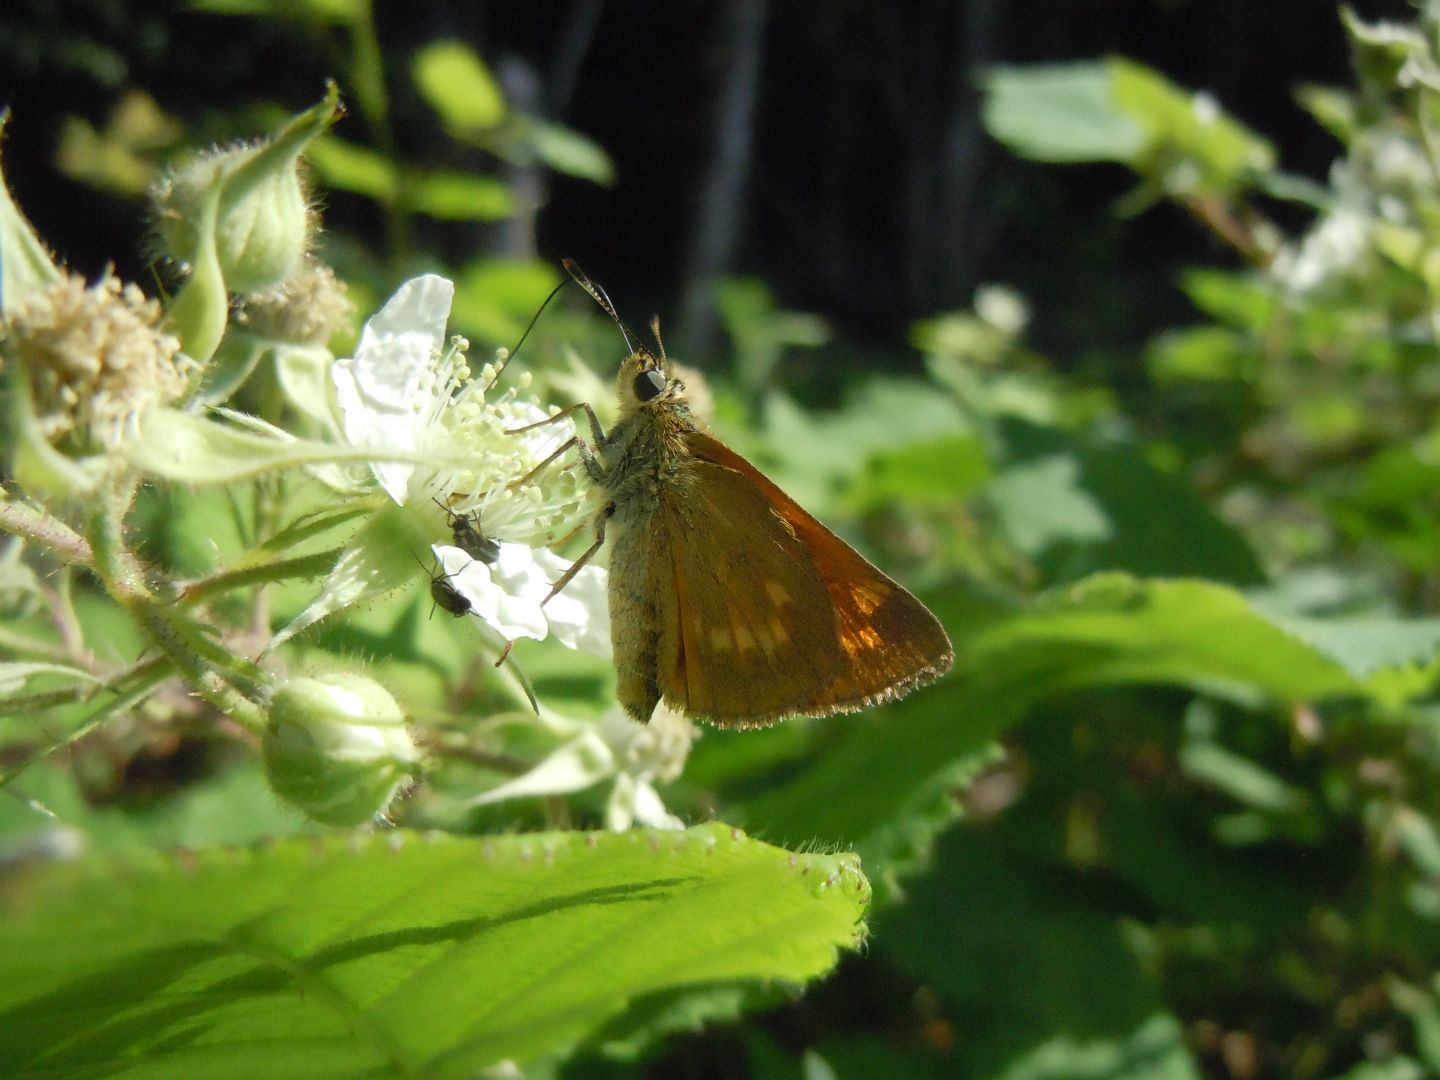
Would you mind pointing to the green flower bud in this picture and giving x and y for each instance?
(337, 748)
(238, 219)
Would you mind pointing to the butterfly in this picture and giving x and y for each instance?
(728, 601)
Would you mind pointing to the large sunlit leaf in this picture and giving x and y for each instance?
(398, 955)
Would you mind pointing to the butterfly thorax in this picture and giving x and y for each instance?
(645, 453)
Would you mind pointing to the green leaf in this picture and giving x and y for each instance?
(343, 165)
(1187, 126)
(1118, 110)
(454, 196)
(458, 86)
(1053, 989)
(570, 153)
(1245, 301)
(884, 783)
(1365, 645)
(194, 450)
(936, 473)
(1078, 507)
(1201, 354)
(396, 955)
(818, 453)
(495, 298)
(1063, 113)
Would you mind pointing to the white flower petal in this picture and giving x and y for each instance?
(578, 615)
(514, 616)
(389, 392)
(633, 800)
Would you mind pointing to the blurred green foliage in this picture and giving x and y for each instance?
(1175, 813)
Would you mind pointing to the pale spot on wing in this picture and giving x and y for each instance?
(778, 632)
(720, 639)
(743, 638)
(869, 596)
(777, 592)
(862, 639)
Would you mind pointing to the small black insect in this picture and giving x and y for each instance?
(468, 536)
(444, 593)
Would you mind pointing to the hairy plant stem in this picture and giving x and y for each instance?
(303, 566)
(45, 532)
(210, 669)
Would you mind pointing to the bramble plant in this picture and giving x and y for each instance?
(273, 809)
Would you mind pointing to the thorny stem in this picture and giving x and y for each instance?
(180, 647)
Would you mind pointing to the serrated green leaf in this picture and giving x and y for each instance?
(396, 954)
(458, 86)
(884, 784)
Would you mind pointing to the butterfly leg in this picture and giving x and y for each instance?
(597, 433)
(587, 455)
(570, 573)
(586, 556)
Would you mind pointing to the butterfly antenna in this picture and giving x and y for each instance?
(659, 341)
(601, 297)
(510, 354)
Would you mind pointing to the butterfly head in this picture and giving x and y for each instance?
(645, 383)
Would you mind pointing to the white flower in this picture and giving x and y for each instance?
(635, 756)
(1003, 308)
(508, 593)
(409, 390)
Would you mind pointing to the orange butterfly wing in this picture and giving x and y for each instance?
(774, 614)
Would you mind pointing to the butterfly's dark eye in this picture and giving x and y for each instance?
(648, 384)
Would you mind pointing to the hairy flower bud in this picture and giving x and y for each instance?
(337, 748)
(238, 220)
(262, 221)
